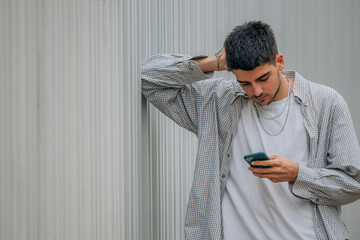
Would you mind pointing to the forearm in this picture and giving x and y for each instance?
(213, 63)
(207, 64)
(167, 71)
(325, 186)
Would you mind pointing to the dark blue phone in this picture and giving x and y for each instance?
(256, 157)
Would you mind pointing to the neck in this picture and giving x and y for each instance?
(283, 90)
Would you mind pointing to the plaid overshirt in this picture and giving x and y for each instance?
(211, 109)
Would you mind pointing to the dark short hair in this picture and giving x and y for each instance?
(250, 45)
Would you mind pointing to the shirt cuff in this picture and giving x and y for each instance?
(301, 187)
(194, 72)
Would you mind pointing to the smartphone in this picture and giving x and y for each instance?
(256, 157)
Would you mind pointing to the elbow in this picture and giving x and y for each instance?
(337, 198)
(145, 89)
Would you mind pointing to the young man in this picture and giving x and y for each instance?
(304, 127)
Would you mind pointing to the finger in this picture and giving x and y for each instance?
(258, 170)
(276, 171)
(262, 163)
(274, 174)
(269, 176)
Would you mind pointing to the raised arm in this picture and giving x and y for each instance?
(173, 84)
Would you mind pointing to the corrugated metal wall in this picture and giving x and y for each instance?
(82, 155)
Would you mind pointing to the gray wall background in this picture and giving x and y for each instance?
(82, 154)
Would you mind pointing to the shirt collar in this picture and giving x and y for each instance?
(300, 88)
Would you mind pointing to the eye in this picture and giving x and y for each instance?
(244, 84)
(263, 80)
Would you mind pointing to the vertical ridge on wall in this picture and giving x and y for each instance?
(120, 24)
(5, 120)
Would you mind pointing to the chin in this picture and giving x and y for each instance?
(263, 102)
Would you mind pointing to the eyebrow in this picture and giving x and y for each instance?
(264, 75)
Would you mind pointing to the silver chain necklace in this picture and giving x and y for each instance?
(259, 112)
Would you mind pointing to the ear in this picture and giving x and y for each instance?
(280, 64)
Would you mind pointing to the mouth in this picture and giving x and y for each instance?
(260, 99)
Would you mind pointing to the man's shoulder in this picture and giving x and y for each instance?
(324, 90)
(321, 89)
(321, 94)
(312, 90)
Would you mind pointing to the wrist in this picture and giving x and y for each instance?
(295, 172)
(208, 64)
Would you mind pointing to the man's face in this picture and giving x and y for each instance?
(263, 84)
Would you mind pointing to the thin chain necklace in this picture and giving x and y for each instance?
(259, 112)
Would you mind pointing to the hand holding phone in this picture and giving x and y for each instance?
(259, 156)
(285, 169)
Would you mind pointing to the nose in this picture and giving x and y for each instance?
(257, 90)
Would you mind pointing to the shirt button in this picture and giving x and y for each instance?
(223, 176)
(228, 155)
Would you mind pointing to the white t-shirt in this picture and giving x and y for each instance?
(255, 208)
